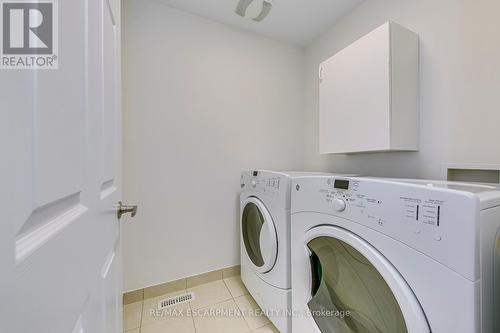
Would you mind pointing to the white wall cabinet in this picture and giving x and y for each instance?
(369, 94)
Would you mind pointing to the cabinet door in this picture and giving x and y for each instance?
(355, 96)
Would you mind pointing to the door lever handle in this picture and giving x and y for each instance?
(124, 209)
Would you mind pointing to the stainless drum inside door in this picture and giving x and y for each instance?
(361, 289)
(259, 235)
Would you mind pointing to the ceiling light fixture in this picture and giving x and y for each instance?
(243, 5)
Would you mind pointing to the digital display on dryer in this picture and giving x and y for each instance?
(341, 184)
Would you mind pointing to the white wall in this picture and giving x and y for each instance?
(202, 102)
(460, 85)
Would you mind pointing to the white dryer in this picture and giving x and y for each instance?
(395, 256)
(265, 241)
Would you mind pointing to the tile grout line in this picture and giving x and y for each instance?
(142, 315)
(244, 295)
(192, 318)
(224, 280)
(237, 306)
(233, 299)
(216, 302)
(230, 293)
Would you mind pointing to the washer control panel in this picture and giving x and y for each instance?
(343, 193)
(436, 221)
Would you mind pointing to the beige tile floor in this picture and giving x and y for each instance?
(228, 296)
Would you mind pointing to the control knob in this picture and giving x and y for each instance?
(338, 205)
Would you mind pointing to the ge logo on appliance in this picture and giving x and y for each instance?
(29, 34)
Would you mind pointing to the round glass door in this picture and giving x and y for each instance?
(259, 235)
(345, 282)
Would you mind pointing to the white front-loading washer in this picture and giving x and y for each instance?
(394, 256)
(265, 241)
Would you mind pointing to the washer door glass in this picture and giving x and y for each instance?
(351, 288)
(259, 235)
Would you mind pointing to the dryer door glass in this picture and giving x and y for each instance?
(348, 286)
(251, 224)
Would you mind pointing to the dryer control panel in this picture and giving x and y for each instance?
(271, 187)
(262, 182)
(438, 222)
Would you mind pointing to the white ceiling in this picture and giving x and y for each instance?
(293, 21)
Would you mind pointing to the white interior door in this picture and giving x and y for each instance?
(61, 180)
